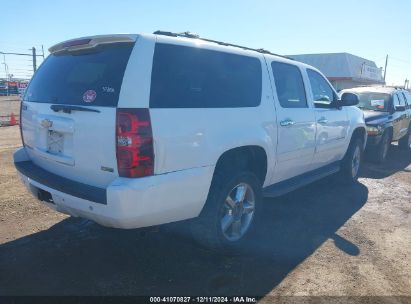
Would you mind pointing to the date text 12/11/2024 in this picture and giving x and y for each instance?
(235, 299)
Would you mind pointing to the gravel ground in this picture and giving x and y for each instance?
(322, 240)
(9, 104)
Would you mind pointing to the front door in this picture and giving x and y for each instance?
(399, 117)
(332, 123)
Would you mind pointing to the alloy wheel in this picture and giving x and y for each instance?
(238, 212)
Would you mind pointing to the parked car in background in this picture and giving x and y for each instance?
(139, 130)
(387, 113)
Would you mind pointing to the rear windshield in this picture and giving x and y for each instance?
(188, 77)
(374, 101)
(81, 78)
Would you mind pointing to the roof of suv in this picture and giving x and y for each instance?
(175, 38)
(186, 36)
(194, 40)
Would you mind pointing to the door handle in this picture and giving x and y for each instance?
(287, 122)
(322, 121)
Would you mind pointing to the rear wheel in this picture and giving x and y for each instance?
(382, 149)
(230, 212)
(351, 164)
(405, 142)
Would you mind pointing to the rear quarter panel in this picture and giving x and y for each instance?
(190, 137)
(187, 138)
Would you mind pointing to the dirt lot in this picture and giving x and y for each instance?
(324, 239)
(8, 105)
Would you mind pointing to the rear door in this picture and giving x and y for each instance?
(69, 111)
(296, 122)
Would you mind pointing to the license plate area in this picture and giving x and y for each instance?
(55, 142)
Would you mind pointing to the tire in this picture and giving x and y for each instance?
(381, 151)
(405, 142)
(351, 164)
(219, 211)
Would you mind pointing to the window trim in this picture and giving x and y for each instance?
(302, 79)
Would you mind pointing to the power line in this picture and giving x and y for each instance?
(402, 60)
(19, 54)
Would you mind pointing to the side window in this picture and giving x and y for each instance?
(396, 100)
(322, 91)
(407, 102)
(290, 85)
(190, 77)
(408, 95)
(401, 99)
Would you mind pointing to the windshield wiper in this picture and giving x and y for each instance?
(68, 109)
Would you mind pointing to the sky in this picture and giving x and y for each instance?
(370, 29)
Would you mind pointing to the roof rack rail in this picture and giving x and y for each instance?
(194, 36)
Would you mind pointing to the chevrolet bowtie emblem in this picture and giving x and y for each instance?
(46, 123)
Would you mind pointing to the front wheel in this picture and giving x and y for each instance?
(229, 213)
(405, 142)
(351, 164)
(382, 149)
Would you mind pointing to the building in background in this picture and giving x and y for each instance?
(14, 87)
(344, 70)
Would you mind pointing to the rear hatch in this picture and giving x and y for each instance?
(69, 109)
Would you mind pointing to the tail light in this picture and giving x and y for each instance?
(134, 139)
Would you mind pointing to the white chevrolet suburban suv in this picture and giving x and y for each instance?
(138, 130)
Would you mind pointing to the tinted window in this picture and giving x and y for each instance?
(401, 99)
(405, 98)
(187, 77)
(321, 90)
(289, 84)
(408, 97)
(65, 78)
(396, 100)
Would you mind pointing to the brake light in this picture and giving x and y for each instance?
(134, 140)
(75, 43)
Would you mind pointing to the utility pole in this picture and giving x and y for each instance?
(33, 49)
(42, 51)
(385, 69)
(6, 70)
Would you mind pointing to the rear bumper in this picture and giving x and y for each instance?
(125, 203)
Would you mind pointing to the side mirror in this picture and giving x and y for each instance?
(349, 99)
(399, 108)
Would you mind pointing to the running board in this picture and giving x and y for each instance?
(294, 183)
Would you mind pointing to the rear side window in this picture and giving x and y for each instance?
(290, 86)
(90, 77)
(188, 77)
